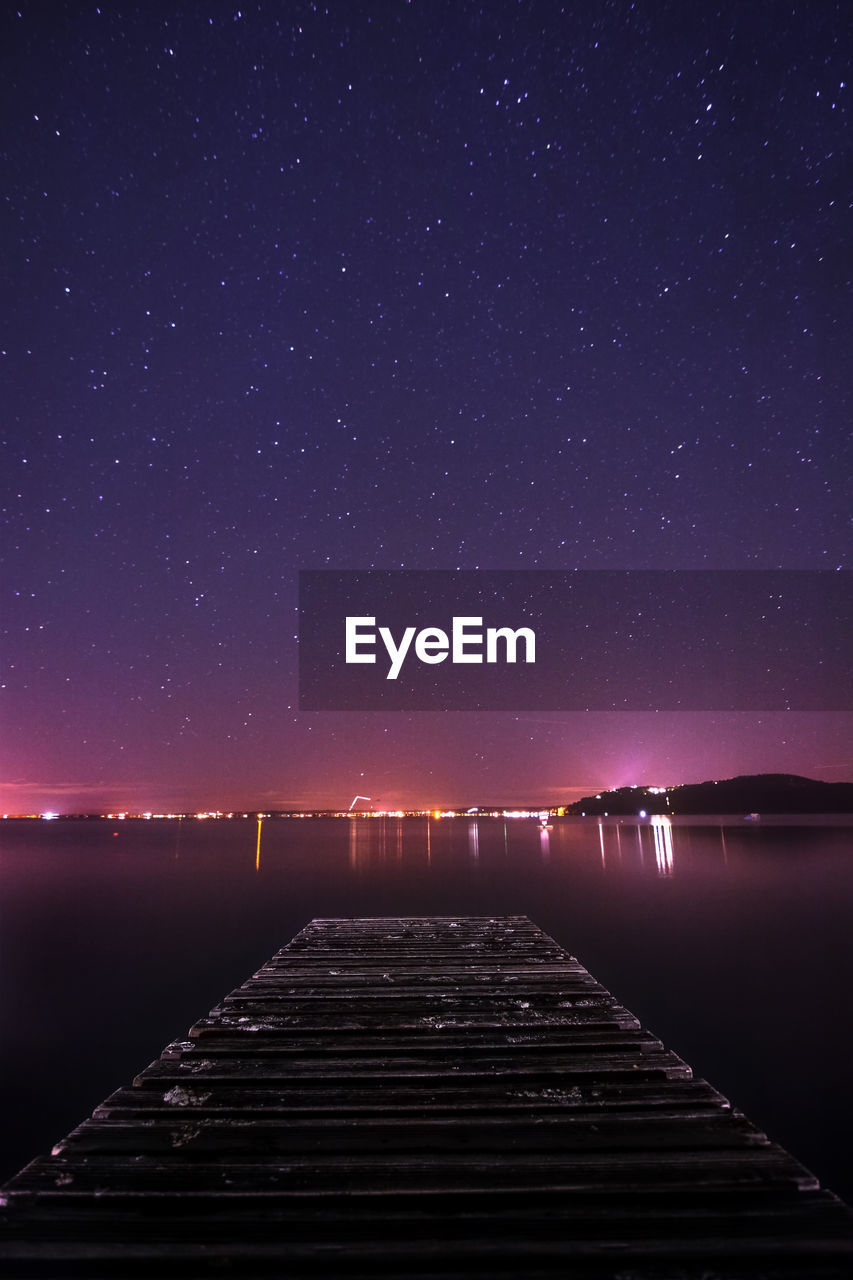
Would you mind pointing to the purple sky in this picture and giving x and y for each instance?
(407, 285)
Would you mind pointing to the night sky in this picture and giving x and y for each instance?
(419, 285)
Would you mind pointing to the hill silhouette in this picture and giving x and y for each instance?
(748, 793)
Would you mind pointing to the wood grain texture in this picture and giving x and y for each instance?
(421, 1097)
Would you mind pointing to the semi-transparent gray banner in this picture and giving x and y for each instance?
(589, 640)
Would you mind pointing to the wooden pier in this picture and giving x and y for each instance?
(445, 1097)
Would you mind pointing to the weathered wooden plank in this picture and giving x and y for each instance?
(182, 1168)
(292, 1042)
(260, 1101)
(421, 1096)
(430, 1018)
(569, 1068)
(250, 1133)
(648, 1203)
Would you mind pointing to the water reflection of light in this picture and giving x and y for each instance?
(662, 831)
(258, 849)
(545, 843)
(389, 842)
(601, 842)
(355, 838)
(474, 841)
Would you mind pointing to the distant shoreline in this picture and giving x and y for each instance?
(746, 820)
(751, 796)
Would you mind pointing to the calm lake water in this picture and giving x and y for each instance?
(731, 940)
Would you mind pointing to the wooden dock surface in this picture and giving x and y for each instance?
(445, 1097)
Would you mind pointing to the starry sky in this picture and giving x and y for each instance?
(412, 284)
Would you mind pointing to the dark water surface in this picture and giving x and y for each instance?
(730, 940)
